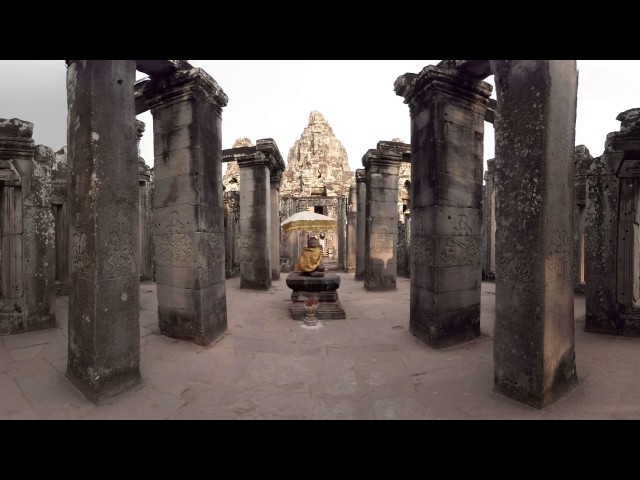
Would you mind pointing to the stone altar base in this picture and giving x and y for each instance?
(325, 288)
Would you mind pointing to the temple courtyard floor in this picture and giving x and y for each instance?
(270, 367)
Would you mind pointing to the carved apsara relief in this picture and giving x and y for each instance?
(558, 257)
(215, 247)
(461, 248)
(175, 246)
(80, 260)
(421, 253)
(119, 260)
(516, 262)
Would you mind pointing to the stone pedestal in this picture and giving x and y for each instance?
(188, 208)
(534, 356)
(104, 298)
(325, 288)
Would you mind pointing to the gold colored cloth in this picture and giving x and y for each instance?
(309, 260)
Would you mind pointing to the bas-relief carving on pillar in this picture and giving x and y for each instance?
(175, 246)
(516, 263)
(81, 265)
(120, 257)
(461, 247)
(420, 246)
(559, 257)
(383, 242)
(215, 246)
(119, 260)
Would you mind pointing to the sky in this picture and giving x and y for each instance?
(273, 99)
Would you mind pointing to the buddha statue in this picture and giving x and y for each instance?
(310, 261)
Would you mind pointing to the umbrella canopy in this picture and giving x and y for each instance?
(308, 221)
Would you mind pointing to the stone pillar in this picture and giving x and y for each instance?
(104, 297)
(258, 164)
(534, 356)
(601, 235)
(382, 166)
(361, 187)
(583, 161)
(612, 253)
(275, 223)
(352, 228)
(145, 202)
(39, 249)
(188, 207)
(489, 222)
(447, 131)
(27, 283)
(231, 233)
(59, 210)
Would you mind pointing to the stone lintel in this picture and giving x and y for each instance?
(15, 139)
(382, 157)
(399, 147)
(251, 160)
(14, 147)
(268, 147)
(161, 67)
(276, 177)
(416, 90)
(361, 175)
(265, 152)
(479, 69)
(14, 127)
(623, 151)
(630, 168)
(182, 85)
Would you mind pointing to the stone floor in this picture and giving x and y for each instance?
(268, 366)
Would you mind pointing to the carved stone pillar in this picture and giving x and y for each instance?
(104, 298)
(534, 356)
(447, 131)
(275, 178)
(382, 166)
(188, 207)
(258, 164)
(352, 228)
(27, 287)
(361, 193)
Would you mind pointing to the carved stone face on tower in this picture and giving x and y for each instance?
(317, 163)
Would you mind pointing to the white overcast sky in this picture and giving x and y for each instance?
(273, 99)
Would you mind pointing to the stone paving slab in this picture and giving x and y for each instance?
(270, 367)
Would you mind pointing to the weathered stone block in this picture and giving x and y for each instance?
(12, 278)
(190, 299)
(196, 278)
(180, 162)
(184, 189)
(200, 325)
(188, 218)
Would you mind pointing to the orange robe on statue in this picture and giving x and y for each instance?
(309, 260)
